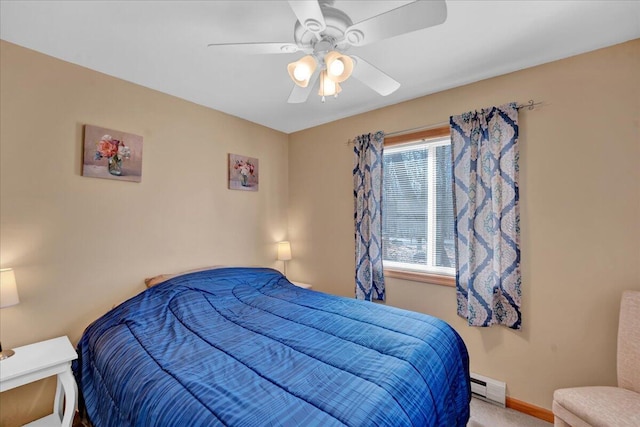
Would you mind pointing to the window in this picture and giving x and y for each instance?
(417, 220)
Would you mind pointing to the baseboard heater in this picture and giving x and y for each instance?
(488, 389)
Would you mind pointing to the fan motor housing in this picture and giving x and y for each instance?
(337, 23)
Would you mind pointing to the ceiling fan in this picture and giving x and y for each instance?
(324, 33)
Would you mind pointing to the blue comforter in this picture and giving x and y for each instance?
(245, 347)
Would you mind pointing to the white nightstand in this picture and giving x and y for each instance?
(34, 362)
(302, 285)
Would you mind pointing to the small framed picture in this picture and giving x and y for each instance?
(112, 154)
(243, 173)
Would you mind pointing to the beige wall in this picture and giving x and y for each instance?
(580, 216)
(79, 245)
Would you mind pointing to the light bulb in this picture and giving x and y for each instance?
(301, 72)
(337, 67)
(329, 87)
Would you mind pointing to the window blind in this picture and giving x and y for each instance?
(417, 218)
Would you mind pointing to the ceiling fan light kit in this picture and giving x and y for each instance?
(336, 68)
(324, 32)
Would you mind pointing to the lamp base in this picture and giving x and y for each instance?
(5, 354)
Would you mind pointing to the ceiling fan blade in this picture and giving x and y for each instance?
(300, 94)
(404, 19)
(374, 78)
(253, 48)
(309, 14)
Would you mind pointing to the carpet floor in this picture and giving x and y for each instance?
(485, 414)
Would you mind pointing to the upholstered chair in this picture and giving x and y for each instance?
(609, 406)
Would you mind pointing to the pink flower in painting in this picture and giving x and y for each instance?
(107, 147)
(245, 168)
(111, 148)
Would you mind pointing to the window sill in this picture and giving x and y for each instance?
(434, 279)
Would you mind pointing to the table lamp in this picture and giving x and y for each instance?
(284, 253)
(8, 297)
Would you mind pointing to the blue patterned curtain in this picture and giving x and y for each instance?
(484, 147)
(367, 194)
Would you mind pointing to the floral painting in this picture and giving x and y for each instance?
(112, 154)
(243, 173)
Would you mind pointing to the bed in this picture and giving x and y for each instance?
(245, 347)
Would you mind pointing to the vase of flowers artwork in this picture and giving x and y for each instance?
(243, 173)
(114, 151)
(112, 154)
(245, 169)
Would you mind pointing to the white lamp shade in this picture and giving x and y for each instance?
(339, 66)
(302, 70)
(327, 86)
(284, 251)
(8, 288)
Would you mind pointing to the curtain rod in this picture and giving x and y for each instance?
(530, 105)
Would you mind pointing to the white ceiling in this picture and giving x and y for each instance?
(163, 45)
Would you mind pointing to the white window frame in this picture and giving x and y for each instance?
(410, 271)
